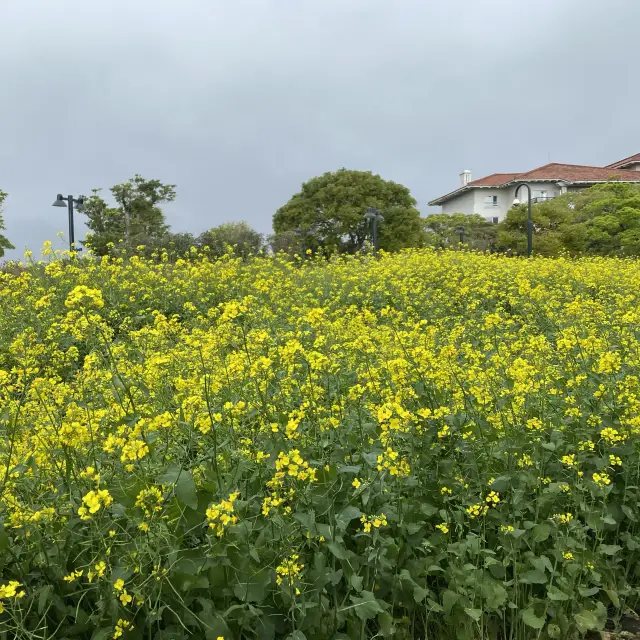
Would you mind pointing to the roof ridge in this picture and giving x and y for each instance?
(618, 162)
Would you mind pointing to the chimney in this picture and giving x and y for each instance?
(465, 177)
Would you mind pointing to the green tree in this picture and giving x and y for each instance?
(239, 235)
(136, 219)
(289, 242)
(4, 241)
(601, 220)
(329, 211)
(442, 230)
(175, 245)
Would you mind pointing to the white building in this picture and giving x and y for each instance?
(493, 195)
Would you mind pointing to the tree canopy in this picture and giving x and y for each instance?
(602, 220)
(442, 230)
(4, 241)
(328, 213)
(244, 240)
(136, 219)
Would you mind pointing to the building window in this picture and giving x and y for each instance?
(492, 219)
(490, 202)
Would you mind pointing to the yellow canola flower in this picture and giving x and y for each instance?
(93, 502)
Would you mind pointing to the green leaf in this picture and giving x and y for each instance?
(449, 599)
(297, 635)
(476, 614)
(494, 594)
(346, 516)
(428, 509)
(535, 576)
(366, 606)
(350, 469)
(587, 621)
(356, 581)
(186, 490)
(541, 532)
(307, 519)
(530, 618)
(613, 596)
(335, 577)
(43, 598)
(385, 620)
(553, 593)
(587, 592)
(254, 589)
(171, 475)
(542, 563)
(4, 538)
(337, 550)
(609, 549)
(501, 484)
(629, 513)
(419, 594)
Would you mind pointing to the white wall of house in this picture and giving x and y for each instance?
(464, 203)
(494, 203)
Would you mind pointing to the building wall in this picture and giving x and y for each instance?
(464, 203)
(475, 201)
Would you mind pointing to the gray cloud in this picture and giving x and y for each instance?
(239, 101)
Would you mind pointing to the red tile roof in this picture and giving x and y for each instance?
(579, 173)
(626, 161)
(568, 173)
(493, 180)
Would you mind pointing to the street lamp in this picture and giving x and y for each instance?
(70, 201)
(374, 216)
(461, 230)
(529, 218)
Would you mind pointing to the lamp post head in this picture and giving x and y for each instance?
(80, 204)
(59, 201)
(516, 202)
(371, 213)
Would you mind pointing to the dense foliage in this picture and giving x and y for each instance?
(4, 241)
(137, 218)
(602, 220)
(445, 230)
(328, 213)
(432, 444)
(243, 240)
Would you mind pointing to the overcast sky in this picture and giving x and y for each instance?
(238, 102)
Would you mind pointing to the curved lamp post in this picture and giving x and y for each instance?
(68, 202)
(529, 218)
(374, 216)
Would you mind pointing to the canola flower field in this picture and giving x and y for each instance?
(424, 445)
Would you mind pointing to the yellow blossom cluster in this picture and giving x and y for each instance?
(373, 521)
(93, 502)
(289, 570)
(390, 460)
(221, 515)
